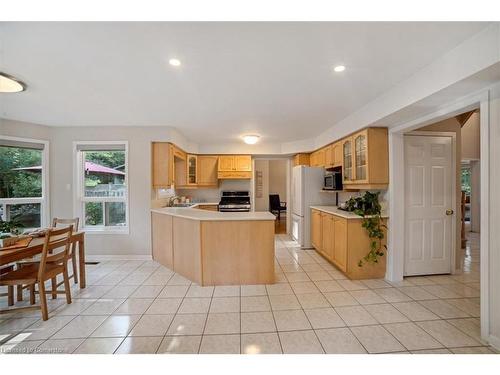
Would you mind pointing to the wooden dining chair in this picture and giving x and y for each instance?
(10, 289)
(64, 223)
(56, 222)
(53, 262)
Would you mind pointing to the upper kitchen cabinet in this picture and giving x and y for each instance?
(235, 167)
(163, 168)
(366, 159)
(333, 155)
(301, 159)
(169, 165)
(192, 170)
(318, 158)
(207, 170)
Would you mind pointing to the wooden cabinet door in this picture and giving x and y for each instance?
(360, 170)
(243, 163)
(162, 161)
(329, 157)
(337, 154)
(226, 163)
(347, 160)
(327, 233)
(316, 229)
(340, 243)
(192, 167)
(207, 170)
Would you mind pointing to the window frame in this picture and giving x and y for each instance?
(44, 200)
(79, 198)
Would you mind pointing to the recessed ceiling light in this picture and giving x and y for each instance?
(174, 62)
(10, 84)
(339, 68)
(251, 139)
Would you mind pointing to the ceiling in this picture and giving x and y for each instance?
(275, 79)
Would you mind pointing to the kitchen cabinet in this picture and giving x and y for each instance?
(347, 159)
(192, 167)
(162, 165)
(329, 158)
(366, 159)
(207, 170)
(337, 154)
(327, 235)
(235, 167)
(316, 230)
(318, 158)
(339, 230)
(243, 163)
(301, 159)
(344, 242)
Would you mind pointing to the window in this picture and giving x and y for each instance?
(23, 182)
(102, 186)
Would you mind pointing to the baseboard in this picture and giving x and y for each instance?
(494, 341)
(97, 257)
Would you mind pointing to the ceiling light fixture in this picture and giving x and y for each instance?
(339, 68)
(10, 84)
(251, 139)
(174, 62)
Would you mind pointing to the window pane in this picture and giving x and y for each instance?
(115, 214)
(20, 172)
(27, 214)
(104, 173)
(93, 213)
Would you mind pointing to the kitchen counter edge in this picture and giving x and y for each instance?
(334, 210)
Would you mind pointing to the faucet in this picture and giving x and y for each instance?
(171, 200)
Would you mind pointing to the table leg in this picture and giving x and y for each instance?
(81, 261)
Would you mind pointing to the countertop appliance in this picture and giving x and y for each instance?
(333, 180)
(307, 186)
(235, 201)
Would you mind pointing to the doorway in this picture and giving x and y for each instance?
(271, 190)
(469, 266)
(430, 203)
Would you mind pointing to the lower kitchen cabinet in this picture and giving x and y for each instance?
(344, 242)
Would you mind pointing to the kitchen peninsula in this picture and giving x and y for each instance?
(215, 248)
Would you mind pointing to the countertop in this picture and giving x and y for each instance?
(334, 210)
(205, 215)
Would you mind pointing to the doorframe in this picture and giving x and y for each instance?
(395, 259)
(289, 166)
(454, 172)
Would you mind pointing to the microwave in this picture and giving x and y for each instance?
(333, 181)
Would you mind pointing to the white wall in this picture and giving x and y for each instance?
(262, 203)
(470, 138)
(277, 178)
(493, 260)
(138, 241)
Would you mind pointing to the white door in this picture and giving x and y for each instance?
(429, 197)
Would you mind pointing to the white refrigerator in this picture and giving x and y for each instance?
(307, 183)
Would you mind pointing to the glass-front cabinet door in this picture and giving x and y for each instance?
(191, 170)
(360, 157)
(347, 155)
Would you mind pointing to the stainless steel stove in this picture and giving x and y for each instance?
(235, 201)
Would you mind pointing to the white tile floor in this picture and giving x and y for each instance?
(142, 307)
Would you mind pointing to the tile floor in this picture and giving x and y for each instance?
(142, 307)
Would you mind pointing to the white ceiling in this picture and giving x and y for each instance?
(275, 79)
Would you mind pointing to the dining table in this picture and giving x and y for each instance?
(35, 247)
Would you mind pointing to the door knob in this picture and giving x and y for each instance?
(449, 212)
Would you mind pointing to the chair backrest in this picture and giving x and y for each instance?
(55, 239)
(57, 222)
(274, 202)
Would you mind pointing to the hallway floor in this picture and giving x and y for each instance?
(142, 307)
